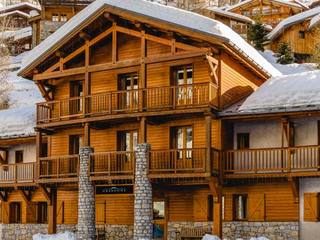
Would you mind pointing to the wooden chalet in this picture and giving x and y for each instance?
(119, 74)
(270, 12)
(301, 32)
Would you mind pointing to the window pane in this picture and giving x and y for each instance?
(158, 210)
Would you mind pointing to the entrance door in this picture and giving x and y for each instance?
(128, 96)
(159, 220)
(127, 142)
(182, 141)
(76, 92)
(183, 80)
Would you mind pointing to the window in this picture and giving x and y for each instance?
(55, 17)
(240, 207)
(15, 212)
(210, 207)
(63, 18)
(183, 78)
(19, 156)
(42, 216)
(127, 142)
(158, 210)
(75, 142)
(182, 139)
(129, 98)
(76, 91)
(302, 34)
(243, 141)
(44, 149)
(159, 217)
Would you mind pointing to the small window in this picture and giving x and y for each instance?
(240, 207)
(19, 156)
(158, 210)
(302, 34)
(42, 212)
(55, 17)
(63, 18)
(243, 141)
(15, 212)
(210, 207)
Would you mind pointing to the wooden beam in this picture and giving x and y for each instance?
(3, 196)
(84, 36)
(52, 212)
(43, 91)
(114, 44)
(208, 123)
(38, 151)
(26, 197)
(294, 185)
(217, 216)
(86, 138)
(46, 194)
(143, 130)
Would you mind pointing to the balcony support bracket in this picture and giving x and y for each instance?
(46, 194)
(294, 184)
(3, 196)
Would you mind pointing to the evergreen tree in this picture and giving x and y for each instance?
(284, 54)
(257, 34)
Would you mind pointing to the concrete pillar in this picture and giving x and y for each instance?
(143, 206)
(86, 198)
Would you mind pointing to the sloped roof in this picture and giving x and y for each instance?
(19, 6)
(240, 17)
(295, 92)
(15, 12)
(161, 13)
(312, 14)
(296, 3)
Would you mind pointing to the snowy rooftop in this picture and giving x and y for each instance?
(293, 92)
(295, 3)
(312, 14)
(219, 11)
(161, 13)
(17, 34)
(15, 12)
(19, 6)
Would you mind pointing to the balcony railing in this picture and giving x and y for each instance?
(272, 160)
(59, 167)
(130, 101)
(112, 164)
(17, 173)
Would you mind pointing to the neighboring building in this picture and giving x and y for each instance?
(273, 137)
(301, 32)
(15, 26)
(236, 22)
(270, 12)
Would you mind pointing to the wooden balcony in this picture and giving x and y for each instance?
(21, 173)
(128, 102)
(273, 162)
(64, 168)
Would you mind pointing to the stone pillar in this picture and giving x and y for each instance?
(143, 206)
(86, 198)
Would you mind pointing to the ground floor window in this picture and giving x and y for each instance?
(42, 216)
(15, 212)
(240, 203)
(159, 218)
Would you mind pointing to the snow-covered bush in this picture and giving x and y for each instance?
(59, 236)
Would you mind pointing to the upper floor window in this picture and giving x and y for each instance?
(243, 140)
(75, 142)
(302, 34)
(127, 140)
(19, 156)
(240, 203)
(63, 18)
(15, 212)
(129, 98)
(55, 17)
(182, 78)
(182, 139)
(76, 91)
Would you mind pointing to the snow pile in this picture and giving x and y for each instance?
(210, 237)
(289, 68)
(259, 238)
(158, 12)
(59, 236)
(300, 91)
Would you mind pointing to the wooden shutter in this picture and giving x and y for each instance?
(101, 212)
(32, 212)
(228, 207)
(60, 212)
(200, 208)
(311, 207)
(256, 207)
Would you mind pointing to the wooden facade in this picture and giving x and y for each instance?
(118, 82)
(267, 11)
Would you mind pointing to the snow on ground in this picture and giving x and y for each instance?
(213, 237)
(59, 236)
(289, 68)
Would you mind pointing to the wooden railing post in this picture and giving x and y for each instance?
(289, 159)
(208, 123)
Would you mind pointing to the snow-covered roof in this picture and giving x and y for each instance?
(295, 92)
(312, 14)
(19, 6)
(161, 13)
(240, 17)
(15, 12)
(17, 35)
(285, 2)
(17, 122)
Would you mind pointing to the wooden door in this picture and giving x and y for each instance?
(76, 92)
(182, 81)
(128, 96)
(182, 142)
(159, 220)
(127, 142)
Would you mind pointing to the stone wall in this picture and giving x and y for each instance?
(26, 231)
(244, 230)
(47, 28)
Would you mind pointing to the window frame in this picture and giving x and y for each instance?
(246, 137)
(235, 204)
(18, 156)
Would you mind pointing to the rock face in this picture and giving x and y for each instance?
(143, 207)
(86, 198)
